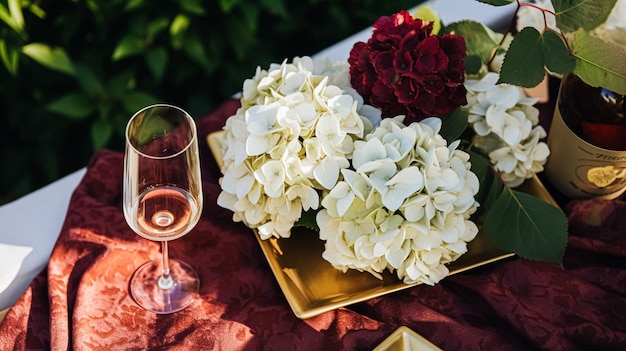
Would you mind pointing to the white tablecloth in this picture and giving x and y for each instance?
(29, 226)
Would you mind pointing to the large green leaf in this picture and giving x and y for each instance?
(530, 53)
(490, 185)
(600, 63)
(524, 62)
(480, 40)
(586, 14)
(558, 59)
(54, 58)
(73, 105)
(533, 229)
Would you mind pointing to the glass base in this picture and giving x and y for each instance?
(145, 290)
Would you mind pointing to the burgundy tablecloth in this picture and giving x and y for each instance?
(81, 301)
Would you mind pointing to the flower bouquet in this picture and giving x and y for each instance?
(397, 156)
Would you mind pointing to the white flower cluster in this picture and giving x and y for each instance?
(404, 206)
(505, 122)
(291, 137)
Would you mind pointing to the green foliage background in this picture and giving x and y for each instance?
(74, 71)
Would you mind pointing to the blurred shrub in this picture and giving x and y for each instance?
(73, 72)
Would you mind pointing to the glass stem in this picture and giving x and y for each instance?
(165, 280)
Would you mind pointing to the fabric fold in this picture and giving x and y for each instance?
(81, 301)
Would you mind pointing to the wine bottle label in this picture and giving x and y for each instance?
(579, 169)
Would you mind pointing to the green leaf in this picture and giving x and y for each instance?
(496, 2)
(227, 5)
(193, 6)
(129, 45)
(53, 58)
(156, 26)
(37, 11)
(137, 100)
(426, 13)
(480, 40)
(524, 61)
(473, 64)
(134, 4)
(600, 63)
(275, 6)
(88, 81)
(5, 17)
(195, 50)
(119, 85)
(490, 185)
(558, 59)
(493, 191)
(178, 28)
(10, 57)
(586, 14)
(308, 220)
(16, 13)
(454, 124)
(155, 125)
(101, 132)
(73, 106)
(533, 229)
(157, 62)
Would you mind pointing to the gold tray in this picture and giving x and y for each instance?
(405, 339)
(313, 286)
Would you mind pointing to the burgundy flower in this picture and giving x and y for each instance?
(405, 69)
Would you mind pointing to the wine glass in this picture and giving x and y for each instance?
(162, 201)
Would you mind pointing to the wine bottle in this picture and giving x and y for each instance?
(587, 141)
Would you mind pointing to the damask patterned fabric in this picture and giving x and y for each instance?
(81, 301)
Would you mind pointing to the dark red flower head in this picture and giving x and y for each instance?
(405, 69)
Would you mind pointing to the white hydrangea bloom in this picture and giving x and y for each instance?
(404, 206)
(505, 122)
(290, 139)
(518, 162)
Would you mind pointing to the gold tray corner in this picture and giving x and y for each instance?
(405, 339)
(313, 286)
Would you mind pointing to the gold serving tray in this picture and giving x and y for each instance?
(3, 314)
(313, 286)
(405, 339)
